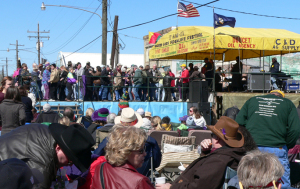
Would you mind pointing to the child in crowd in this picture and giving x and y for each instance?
(183, 123)
(165, 123)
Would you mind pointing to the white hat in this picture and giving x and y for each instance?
(119, 64)
(140, 111)
(46, 107)
(128, 115)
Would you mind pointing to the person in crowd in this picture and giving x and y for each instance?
(5, 84)
(48, 148)
(185, 82)
(197, 76)
(12, 110)
(69, 113)
(87, 119)
(148, 115)
(79, 85)
(35, 115)
(123, 101)
(172, 84)
(62, 83)
(182, 120)
(156, 123)
(47, 115)
(260, 170)
(237, 70)
(160, 94)
(224, 149)
(34, 78)
(128, 83)
(39, 82)
(27, 104)
(156, 76)
(208, 70)
(143, 91)
(99, 118)
(96, 82)
(179, 85)
(146, 125)
(198, 118)
(17, 72)
(141, 111)
(64, 121)
(24, 76)
(53, 81)
(274, 69)
(88, 82)
(166, 123)
(275, 130)
(70, 82)
(167, 86)
(46, 78)
(191, 68)
(138, 81)
(105, 82)
(30, 95)
(125, 153)
(110, 120)
(23, 177)
(130, 118)
(118, 82)
(147, 81)
(232, 112)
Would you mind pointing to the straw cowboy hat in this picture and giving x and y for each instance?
(227, 129)
(128, 116)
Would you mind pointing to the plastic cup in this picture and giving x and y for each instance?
(160, 180)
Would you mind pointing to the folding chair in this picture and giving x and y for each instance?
(230, 173)
(157, 135)
(200, 135)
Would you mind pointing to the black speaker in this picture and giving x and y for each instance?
(198, 91)
(203, 108)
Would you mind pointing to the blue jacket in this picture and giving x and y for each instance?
(151, 145)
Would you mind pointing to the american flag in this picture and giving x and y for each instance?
(187, 11)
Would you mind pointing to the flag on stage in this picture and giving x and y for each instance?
(220, 20)
(154, 37)
(187, 11)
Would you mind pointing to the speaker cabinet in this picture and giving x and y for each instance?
(198, 91)
(203, 108)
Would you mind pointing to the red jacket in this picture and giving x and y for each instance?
(185, 76)
(125, 177)
(173, 80)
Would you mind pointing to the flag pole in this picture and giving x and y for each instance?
(177, 16)
(214, 49)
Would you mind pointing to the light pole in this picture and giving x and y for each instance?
(104, 26)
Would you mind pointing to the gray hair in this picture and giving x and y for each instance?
(46, 107)
(259, 169)
(111, 118)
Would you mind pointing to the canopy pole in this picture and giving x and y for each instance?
(214, 54)
(280, 60)
(259, 59)
(264, 71)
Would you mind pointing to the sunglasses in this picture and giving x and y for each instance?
(141, 151)
(191, 110)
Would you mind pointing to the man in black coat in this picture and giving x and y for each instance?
(237, 71)
(48, 148)
(88, 82)
(47, 115)
(274, 69)
(105, 82)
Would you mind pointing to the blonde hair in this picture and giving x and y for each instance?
(64, 121)
(64, 68)
(122, 140)
(156, 121)
(89, 112)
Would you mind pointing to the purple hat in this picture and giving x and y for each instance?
(47, 64)
(100, 115)
(184, 118)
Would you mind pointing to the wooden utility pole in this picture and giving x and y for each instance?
(2, 72)
(104, 32)
(6, 65)
(17, 52)
(38, 40)
(117, 49)
(113, 47)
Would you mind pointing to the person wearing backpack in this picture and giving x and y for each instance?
(54, 78)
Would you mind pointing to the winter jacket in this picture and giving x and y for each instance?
(28, 107)
(173, 81)
(167, 81)
(54, 76)
(125, 176)
(24, 78)
(200, 122)
(118, 80)
(51, 117)
(151, 145)
(105, 80)
(197, 76)
(237, 70)
(96, 79)
(137, 78)
(12, 115)
(274, 69)
(185, 76)
(208, 172)
(156, 76)
(36, 148)
(63, 76)
(89, 79)
(46, 77)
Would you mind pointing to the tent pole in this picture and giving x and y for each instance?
(259, 59)
(281, 61)
(214, 54)
(264, 71)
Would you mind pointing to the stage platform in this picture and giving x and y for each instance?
(172, 109)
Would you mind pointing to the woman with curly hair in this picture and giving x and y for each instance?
(125, 152)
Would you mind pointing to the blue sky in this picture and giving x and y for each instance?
(19, 16)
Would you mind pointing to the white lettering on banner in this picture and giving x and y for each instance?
(267, 106)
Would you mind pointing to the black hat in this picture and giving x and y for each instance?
(15, 174)
(76, 142)
(54, 65)
(205, 58)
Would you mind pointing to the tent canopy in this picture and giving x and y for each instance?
(196, 43)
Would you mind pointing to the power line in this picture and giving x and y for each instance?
(164, 17)
(254, 14)
(131, 36)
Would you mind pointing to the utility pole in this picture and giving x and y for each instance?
(104, 32)
(117, 49)
(6, 65)
(38, 40)
(113, 48)
(2, 72)
(17, 51)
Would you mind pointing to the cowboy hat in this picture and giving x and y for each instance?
(227, 130)
(76, 143)
(128, 115)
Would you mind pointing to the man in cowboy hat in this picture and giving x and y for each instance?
(274, 125)
(130, 118)
(224, 149)
(48, 148)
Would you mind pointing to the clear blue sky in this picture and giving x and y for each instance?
(17, 17)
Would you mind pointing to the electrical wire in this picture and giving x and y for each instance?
(164, 16)
(254, 14)
(130, 36)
